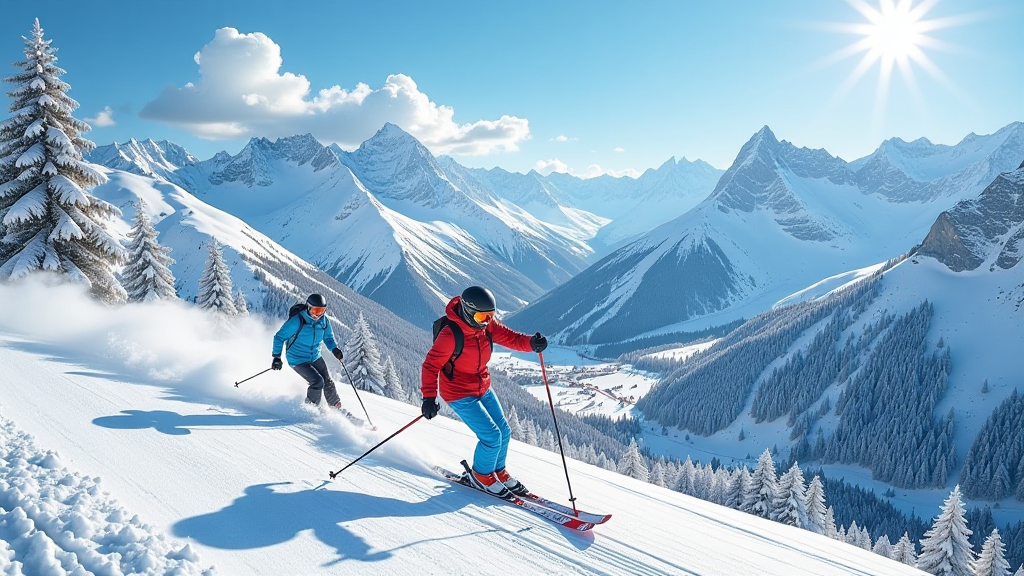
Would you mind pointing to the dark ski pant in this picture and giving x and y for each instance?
(319, 378)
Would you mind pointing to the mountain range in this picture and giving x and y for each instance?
(909, 368)
(781, 218)
(409, 230)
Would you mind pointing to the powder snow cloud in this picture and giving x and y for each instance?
(242, 92)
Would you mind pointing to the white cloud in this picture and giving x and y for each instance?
(561, 138)
(103, 119)
(242, 92)
(619, 149)
(546, 167)
(595, 170)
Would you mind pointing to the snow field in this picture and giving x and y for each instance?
(56, 522)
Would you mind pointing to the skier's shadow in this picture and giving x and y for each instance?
(264, 517)
(180, 424)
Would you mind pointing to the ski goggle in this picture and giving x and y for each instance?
(317, 311)
(483, 317)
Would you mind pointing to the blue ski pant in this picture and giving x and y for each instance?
(484, 417)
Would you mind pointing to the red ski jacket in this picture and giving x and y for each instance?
(470, 377)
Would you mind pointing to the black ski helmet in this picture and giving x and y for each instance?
(476, 299)
(316, 301)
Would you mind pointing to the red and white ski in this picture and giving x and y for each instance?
(536, 504)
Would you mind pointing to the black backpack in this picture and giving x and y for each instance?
(295, 309)
(439, 324)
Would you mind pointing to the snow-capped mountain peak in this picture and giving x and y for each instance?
(253, 165)
(987, 229)
(146, 158)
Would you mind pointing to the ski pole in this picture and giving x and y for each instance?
(334, 475)
(251, 377)
(544, 373)
(354, 389)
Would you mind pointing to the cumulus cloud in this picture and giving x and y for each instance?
(546, 167)
(561, 138)
(242, 92)
(103, 119)
(619, 149)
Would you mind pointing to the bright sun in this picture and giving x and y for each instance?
(895, 35)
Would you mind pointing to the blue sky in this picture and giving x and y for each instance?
(585, 87)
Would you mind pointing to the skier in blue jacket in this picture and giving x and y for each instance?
(303, 333)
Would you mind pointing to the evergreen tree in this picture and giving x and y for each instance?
(215, 283)
(883, 547)
(830, 524)
(49, 221)
(945, 549)
(905, 551)
(241, 306)
(992, 560)
(632, 462)
(657, 476)
(392, 383)
(363, 359)
(516, 427)
(1020, 571)
(760, 491)
(790, 502)
(736, 489)
(816, 507)
(146, 276)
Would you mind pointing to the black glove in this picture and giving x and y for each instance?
(538, 343)
(276, 364)
(337, 354)
(430, 408)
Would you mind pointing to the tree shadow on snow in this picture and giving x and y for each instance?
(181, 424)
(265, 517)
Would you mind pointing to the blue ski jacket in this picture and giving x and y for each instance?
(303, 336)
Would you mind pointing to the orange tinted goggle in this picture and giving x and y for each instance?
(483, 317)
(317, 310)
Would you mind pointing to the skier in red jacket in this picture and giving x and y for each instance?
(465, 384)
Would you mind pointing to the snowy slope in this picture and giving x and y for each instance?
(271, 276)
(780, 219)
(241, 473)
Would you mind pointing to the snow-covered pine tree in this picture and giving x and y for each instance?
(816, 507)
(1020, 571)
(146, 276)
(760, 490)
(215, 283)
(790, 502)
(363, 358)
(241, 306)
(992, 560)
(830, 524)
(736, 490)
(945, 548)
(50, 222)
(657, 476)
(883, 547)
(905, 551)
(392, 383)
(515, 426)
(632, 462)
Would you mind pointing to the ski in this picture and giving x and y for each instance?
(567, 510)
(567, 520)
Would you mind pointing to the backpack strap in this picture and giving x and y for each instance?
(302, 322)
(460, 342)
